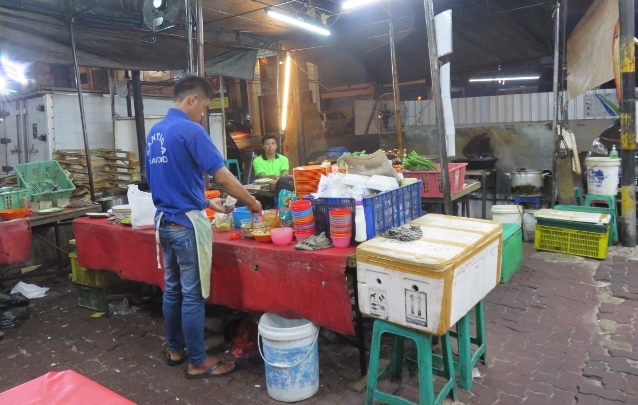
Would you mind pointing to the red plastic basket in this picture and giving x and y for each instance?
(432, 183)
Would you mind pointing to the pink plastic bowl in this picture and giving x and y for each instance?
(281, 236)
(341, 242)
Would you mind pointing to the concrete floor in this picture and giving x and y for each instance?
(562, 331)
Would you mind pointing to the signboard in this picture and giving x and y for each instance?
(216, 103)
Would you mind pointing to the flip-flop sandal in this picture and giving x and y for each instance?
(209, 373)
(170, 362)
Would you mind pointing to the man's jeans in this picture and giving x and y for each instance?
(183, 304)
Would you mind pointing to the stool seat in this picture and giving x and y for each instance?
(535, 200)
(606, 201)
(229, 162)
(423, 357)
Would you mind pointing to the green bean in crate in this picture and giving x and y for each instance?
(46, 181)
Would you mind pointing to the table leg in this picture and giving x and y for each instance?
(361, 344)
(484, 202)
(57, 243)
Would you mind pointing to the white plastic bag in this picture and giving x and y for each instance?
(29, 290)
(142, 208)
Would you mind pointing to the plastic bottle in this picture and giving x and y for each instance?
(614, 153)
(359, 219)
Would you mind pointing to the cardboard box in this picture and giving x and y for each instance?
(431, 283)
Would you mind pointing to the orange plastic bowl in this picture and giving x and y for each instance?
(15, 213)
(263, 238)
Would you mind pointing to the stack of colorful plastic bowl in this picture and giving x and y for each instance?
(340, 227)
(303, 219)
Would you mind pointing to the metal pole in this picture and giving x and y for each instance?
(129, 108)
(555, 112)
(189, 27)
(78, 85)
(223, 100)
(438, 104)
(200, 53)
(112, 83)
(278, 82)
(140, 130)
(628, 121)
(395, 85)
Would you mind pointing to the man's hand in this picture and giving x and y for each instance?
(255, 207)
(217, 204)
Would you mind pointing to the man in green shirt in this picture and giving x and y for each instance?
(270, 164)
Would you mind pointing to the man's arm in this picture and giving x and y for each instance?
(227, 182)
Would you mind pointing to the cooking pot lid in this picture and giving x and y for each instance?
(523, 170)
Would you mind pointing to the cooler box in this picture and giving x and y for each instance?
(512, 255)
(431, 283)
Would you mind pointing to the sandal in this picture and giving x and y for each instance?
(209, 373)
(169, 361)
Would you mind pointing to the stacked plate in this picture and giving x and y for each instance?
(340, 226)
(303, 219)
(121, 210)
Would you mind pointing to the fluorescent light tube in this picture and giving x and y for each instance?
(504, 79)
(299, 23)
(284, 109)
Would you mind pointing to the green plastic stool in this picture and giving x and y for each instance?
(610, 202)
(466, 360)
(235, 162)
(578, 196)
(423, 347)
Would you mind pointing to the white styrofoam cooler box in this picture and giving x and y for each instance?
(431, 283)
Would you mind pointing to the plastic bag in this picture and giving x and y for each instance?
(245, 341)
(142, 208)
(14, 309)
(285, 198)
(29, 290)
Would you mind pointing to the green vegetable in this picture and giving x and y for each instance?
(414, 162)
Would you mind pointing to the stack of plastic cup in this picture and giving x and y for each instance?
(303, 219)
(340, 226)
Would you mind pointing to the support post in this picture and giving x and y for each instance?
(140, 130)
(628, 121)
(189, 28)
(279, 107)
(78, 85)
(395, 85)
(200, 54)
(555, 109)
(438, 105)
(129, 106)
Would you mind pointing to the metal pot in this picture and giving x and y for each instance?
(527, 182)
(109, 202)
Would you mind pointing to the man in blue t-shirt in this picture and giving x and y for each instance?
(178, 153)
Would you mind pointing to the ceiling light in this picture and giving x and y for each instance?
(504, 79)
(295, 21)
(350, 4)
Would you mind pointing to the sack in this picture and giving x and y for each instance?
(142, 208)
(14, 309)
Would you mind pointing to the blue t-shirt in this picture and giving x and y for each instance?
(178, 152)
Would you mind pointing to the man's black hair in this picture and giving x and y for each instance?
(192, 84)
(267, 137)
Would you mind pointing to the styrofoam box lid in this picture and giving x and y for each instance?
(574, 216)
(445, 240)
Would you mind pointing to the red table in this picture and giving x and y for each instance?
(62, 388)
(246, 275)
(15, 241)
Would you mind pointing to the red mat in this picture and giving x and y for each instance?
(15, 241)
(62, 388)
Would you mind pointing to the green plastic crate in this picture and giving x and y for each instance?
(512, 253)
(90, 297)
(12, 197)
(46, 181)
(613, 231)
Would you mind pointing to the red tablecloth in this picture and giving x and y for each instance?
(15, 241)
(62, 388)
(246, 275)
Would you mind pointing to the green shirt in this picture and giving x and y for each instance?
(269, 167)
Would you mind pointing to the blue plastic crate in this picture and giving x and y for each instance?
(335, 152)
(383, 211)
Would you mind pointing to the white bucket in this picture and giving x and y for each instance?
(291, 357)
(529, 225)
(602, 175)
(507, 214)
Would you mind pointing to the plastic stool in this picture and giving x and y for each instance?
(423, 345)
(536, 200)
(578, 196)
(607, 201)
(466, 359)
(235, 162)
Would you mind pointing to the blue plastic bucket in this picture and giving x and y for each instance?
(291, 357)
(241, 213)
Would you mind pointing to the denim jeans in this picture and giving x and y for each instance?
(183, 303)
